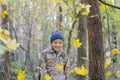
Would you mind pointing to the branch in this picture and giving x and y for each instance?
(109, 4)
(17, 39)
(70, 34)
(69, 7)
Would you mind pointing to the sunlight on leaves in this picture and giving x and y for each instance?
(82, 71)
(85, 13)
(115, 51)
(47, 77)
(11, 8)
(22, 4)
(4, 14)
(12, 44)
(5, 38)
(107, 63)
(77, 43)
(4, 2)
(57, 1)
(4, 35)
(108, 74)
(59, 66)
(94, 16)
(117, 74)
(102, 6)
(21, 75)
(87, 10)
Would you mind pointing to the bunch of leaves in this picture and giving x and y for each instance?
(47, 77)
(77, 43)
(9, 43)
(21, 75)
(80, 71)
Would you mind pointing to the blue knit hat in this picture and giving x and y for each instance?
(56, 35)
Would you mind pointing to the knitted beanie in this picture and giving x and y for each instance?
(56, 35)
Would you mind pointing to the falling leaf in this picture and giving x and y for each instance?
(21, 75)
(47, 77)
(4, 14)
(59, 66)
(117, 74)
(77, 43)
(12, 44)
(107, 63)
(108, 74)
(82, 71)
(115, 51)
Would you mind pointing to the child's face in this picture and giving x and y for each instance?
(57, 45)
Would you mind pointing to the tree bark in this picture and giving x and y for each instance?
(82, 51)
(95, 40)
(60, 18)
(7, 73)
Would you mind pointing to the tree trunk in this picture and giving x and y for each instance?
(95, 40)
(7, 73)
(60, 17)
(82, 51)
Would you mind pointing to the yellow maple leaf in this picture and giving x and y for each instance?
(57, 1)
(47, 77)
(108, 74)
(107, 63)
(82, 71)
(88, 7)
(21, 75)
(4, 35)
(117, 74)
(11, 44)
(83, 6)
(115, 51)
(4, 14)
(77, 43)
(78, 9)
(87, 10)
(59, 66)
(102, 6)
(85, 13)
